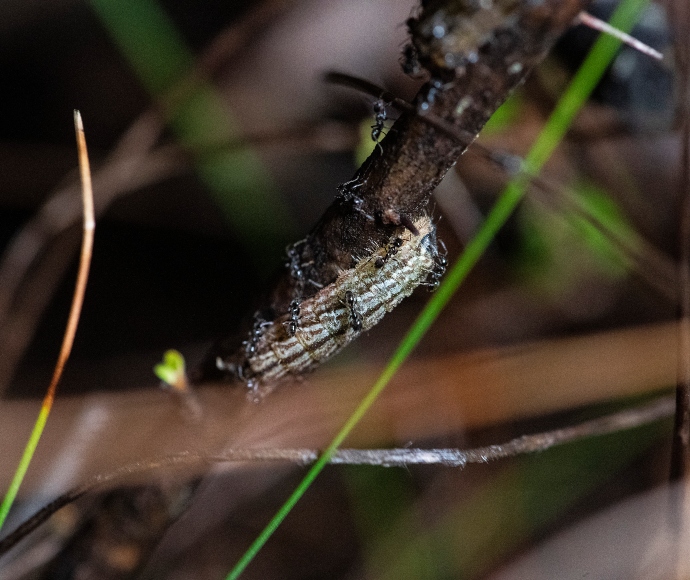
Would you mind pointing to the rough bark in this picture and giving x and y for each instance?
(475, 56)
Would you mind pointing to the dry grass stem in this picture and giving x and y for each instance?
(401, 457)
(26, 283)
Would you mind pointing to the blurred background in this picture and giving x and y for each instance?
(214, 143)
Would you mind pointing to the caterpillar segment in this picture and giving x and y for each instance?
(328, 321)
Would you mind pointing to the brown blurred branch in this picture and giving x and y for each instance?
(31, 267)
(680, 454)
(401, 457)
(431, 397)
(27, 284)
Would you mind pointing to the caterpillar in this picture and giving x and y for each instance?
(318, 327)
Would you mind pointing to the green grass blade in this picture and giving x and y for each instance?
(24, 462)
(576, 94)
(89, 226)
(202, 122)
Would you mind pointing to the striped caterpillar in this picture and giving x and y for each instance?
(318, 327)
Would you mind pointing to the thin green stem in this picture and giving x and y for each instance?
(24, 462)
(576, 94)
(582, 85)
(201, 120)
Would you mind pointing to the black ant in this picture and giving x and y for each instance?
(295, 265)
(391, 251)
(346, 194)
(347, 189)
(379, 119)
(355, 315)
(254, 335)
(293, 323)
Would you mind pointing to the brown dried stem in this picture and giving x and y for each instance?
(401, 457)
(88, 229)
(597, 24)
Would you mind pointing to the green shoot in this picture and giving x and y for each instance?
(172, 370)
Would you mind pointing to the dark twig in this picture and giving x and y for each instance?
(402, 457)
(680, 447)
(649, 262)
(509, 163)
(680, 454)
(399, 177)
(73, 495)
(459, 135)
(322, 136)
(390, 193)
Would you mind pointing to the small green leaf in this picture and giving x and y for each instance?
(172, 369)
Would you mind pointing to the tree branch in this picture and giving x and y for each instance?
(336, 283)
